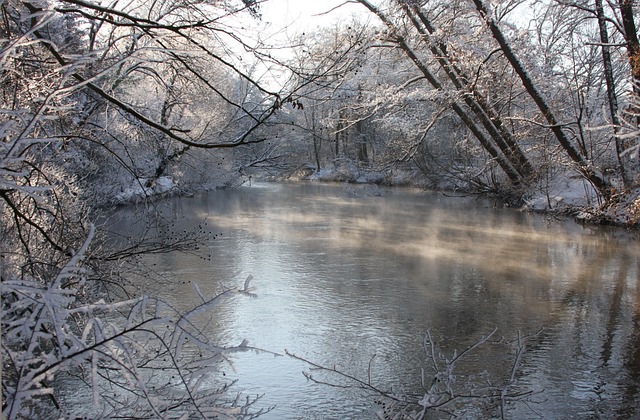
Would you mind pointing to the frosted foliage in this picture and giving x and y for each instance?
(128, 101)
(469, 96)
(131, 351)
(74, 137)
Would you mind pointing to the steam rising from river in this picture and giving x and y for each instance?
(341, 277)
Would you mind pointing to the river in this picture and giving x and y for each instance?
(354, 277)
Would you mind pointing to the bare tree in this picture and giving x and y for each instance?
(72, 98)
(584, 167)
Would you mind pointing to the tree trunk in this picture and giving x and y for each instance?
(317, 140)
(633, 51)
(611, 87)
(363, 156)
(475, 101)
(583, 166)
(506, 166)
(338, 134)
(631, 37)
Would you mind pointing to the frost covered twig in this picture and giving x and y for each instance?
(443, 392)
(365, 385)
(138, 354)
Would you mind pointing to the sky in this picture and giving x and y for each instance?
(300, 15)
(282, 20)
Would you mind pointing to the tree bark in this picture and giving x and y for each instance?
(631, 38)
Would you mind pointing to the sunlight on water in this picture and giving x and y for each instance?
(354, 281)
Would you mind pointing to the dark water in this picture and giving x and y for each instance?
(343, 274)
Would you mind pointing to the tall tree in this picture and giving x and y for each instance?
(487, 143)
(611, 87)
(597, 179)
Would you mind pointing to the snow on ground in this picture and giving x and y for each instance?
(142, 187)
(565, 192)
(577, 196)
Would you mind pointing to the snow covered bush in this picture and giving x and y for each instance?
(68, 126)
(134, 358)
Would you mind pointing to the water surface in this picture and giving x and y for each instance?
(353, 276)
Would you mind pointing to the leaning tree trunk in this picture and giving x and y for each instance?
(505, 164)
(584, 167)
(474, 100)
(611, 88)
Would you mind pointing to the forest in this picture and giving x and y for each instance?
(110, 103)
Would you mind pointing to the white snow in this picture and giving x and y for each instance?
(143, 187)
(564, 192)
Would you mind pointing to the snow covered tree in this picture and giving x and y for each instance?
(321, 110)
(532, 89)
(464, 106)
(78, 97)
(505, 80)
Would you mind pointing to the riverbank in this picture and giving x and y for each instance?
(569, 196)
(566, 196)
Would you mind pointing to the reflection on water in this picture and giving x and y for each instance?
(343, 277)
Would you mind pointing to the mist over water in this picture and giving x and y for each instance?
(354, 276)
